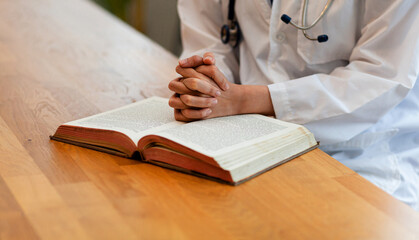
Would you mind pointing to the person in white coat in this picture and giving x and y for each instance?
(356, 92)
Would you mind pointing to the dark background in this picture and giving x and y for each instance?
(157, 19)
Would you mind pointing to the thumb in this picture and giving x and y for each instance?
(209, 58)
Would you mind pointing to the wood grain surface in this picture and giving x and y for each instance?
(62, 60)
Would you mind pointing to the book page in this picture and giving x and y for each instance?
(218, 135)
(135, 120)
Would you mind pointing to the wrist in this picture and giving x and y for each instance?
(239, 98)
(254, 99)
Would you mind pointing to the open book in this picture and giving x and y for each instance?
(231, 149)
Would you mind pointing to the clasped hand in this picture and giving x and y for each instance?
(202, 91)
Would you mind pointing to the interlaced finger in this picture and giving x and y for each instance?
(197, 102)
(215, 74)
(176, 103)
(202, 86)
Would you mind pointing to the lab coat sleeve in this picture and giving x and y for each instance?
(383, 68)
(201, 22)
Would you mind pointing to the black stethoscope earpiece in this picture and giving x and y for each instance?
(321, 38)
(230, 33)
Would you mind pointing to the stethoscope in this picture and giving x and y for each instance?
(230, 32)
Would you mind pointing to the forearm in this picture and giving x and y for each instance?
(254, 99)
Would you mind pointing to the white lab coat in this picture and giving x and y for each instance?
(356, 92)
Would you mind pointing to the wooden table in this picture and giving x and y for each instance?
(62, 60)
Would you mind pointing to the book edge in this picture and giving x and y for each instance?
(277, 164)
(93, 147)
(232, 183)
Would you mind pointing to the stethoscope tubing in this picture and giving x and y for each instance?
(230, 33)
(304, 16)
